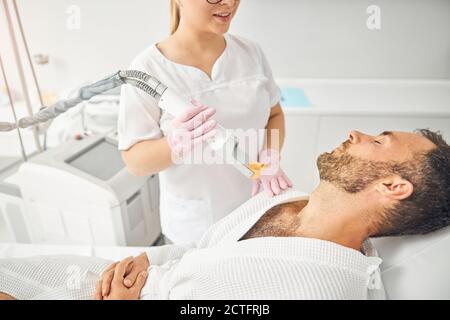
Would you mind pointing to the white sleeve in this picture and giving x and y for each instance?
(272, 87)
(139, 114)
(162, 261)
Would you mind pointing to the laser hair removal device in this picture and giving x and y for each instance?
(167, 99)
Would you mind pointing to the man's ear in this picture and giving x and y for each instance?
(395, 188)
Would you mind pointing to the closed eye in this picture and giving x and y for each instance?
(377, 142)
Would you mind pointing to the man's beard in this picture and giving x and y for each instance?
(350, 173)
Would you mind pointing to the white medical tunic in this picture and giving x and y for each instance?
(242, 89)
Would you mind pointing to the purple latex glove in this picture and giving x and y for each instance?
(190, 129)
(273, 179)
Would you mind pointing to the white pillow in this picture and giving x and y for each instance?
(416, 267)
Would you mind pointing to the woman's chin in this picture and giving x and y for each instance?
(220, 28)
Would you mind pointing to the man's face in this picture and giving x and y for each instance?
(364, 159)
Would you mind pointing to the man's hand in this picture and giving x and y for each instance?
(118, 291)
(133, 269)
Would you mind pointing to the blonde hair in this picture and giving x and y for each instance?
(175, 16)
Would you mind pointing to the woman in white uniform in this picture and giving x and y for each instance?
(231, 74)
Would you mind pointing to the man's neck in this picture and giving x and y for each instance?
(334, 215)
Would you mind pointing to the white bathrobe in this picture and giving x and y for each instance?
(220, 266)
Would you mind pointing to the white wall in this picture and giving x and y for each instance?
(111, 34)
(329, 38)
(302, 38)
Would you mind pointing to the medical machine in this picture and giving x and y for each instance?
(167, 100)
(82, 193)
(14, 227)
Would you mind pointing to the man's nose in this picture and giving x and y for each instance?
(356, 137)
